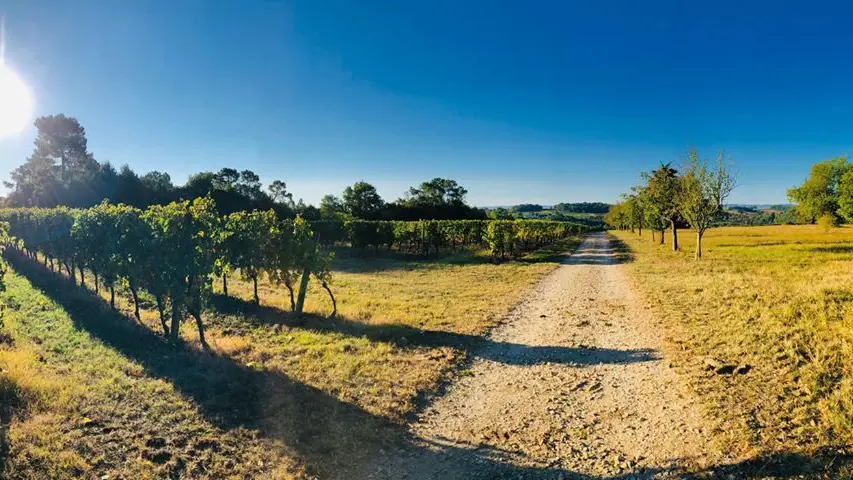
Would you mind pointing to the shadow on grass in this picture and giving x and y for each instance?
(334, 439)
(623, 252)
(833, 249)
(406, 336)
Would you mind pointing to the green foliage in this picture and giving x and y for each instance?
(362, 201)
(828, 189)
(661, 195)
(171, 251)
(827, 222)
(511, 238)
(501, 213)
(247, 241)
(701, 194)
(582, 207)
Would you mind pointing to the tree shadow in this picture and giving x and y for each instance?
(823, 465)
(623, 253)
(336, 440)
(833, 249)
(826, 463)
(756, 245)
(237, 311)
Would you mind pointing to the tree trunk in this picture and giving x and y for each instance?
(97, 283)
(225, 284)
(653, 235)
(197, 315)
(135, 301)
(112, 296)
(674, 236)
(699, 244)
(303, 289)
(334, 303)
(255, 285)
(292, 303)
(162, 310)
(174, 334)
(662, 232)
(640, 229)
(82, 277)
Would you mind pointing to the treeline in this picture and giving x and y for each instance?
(172, 252)
(737, 217)
(668, 198)
(582, 207)
(826, 196)
(61, 171)
(503, 238)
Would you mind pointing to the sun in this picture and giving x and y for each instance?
(16, 102)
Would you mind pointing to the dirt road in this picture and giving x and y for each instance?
(572, 385)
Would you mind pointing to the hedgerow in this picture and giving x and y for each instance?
(432, 237)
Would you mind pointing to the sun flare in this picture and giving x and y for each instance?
(16, 102)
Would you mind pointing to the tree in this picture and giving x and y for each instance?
(363, 201)
(332, 208)
(702, 192)
(500, 213)
(279, 194)
(616, 217)
(437, 192)
(845, 196)
(634, 206)
(158, 187)
(62, 139)
(661, 194)
(198, 185)
(819, 194)
(60, 171)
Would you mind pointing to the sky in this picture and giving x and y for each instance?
(520, 102)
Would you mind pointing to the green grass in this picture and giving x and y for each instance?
(778, 298)
(91, 392)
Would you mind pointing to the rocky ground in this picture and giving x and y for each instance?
(572, 385)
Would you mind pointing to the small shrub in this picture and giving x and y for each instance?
(827, 222)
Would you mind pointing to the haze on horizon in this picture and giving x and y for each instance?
(537, 103)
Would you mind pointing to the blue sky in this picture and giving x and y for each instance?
(519, 101)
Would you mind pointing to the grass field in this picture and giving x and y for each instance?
(92, 394)
(776, 298)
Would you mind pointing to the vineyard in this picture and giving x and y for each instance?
(173, 251)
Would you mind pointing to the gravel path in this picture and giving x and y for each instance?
(571, 385)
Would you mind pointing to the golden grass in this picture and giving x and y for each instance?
(400, 327)
(778, 298)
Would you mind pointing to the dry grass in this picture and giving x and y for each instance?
(777, 298)
(280, 397)
(400, 326)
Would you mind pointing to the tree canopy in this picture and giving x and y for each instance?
(827, 188)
